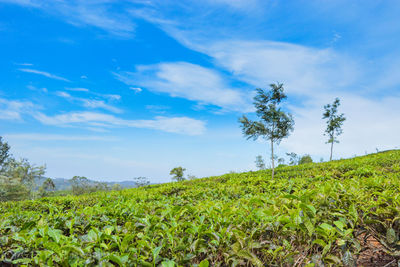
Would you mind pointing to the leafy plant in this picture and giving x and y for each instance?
(310, 215)
(334, 123)
(274, 124)
(177, 174)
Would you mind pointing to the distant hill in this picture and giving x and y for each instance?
(65, 184)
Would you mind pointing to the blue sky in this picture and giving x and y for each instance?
(117, 89)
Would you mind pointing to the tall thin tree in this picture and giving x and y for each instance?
(334, 123)
(274, 124)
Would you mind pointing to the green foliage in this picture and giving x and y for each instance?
(81, 185)
(18, 179)
(305, 159)
(293, 158)
(334, 122)
(12, 189)
(47, 186)
(309, 215)
(274, 124)
(177, 173)
(192, 177)
(4, 152)
(116, 187)
(260, 164)
(141, 181)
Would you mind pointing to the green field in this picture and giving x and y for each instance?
(309, 215)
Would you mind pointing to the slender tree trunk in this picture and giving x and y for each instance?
(272, 158)
(332, 139)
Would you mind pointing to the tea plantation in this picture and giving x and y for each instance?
(340, 213)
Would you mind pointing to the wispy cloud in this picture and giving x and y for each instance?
(92, 103)
(96, 14)
(242, 5)
(34, 88)
(370, 124)
(56, 137)
(79, 89)
(304, 70)
(24, 64)
(46, 74)
(189, 81)
(135, 89)
(14, 109)
(80, 13)
(64, 95)
(181, 125)
(111, 97)
(157, 108)
(29, 3)
(314, 75)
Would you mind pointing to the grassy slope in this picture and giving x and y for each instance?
(308, 213)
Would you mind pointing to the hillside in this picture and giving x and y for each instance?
(334, 213)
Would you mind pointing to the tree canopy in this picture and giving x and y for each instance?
(274, 123)
(334, 123)
(177, 173)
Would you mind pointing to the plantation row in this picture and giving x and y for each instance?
(307, 215)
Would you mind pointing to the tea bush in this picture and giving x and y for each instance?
(307, 215)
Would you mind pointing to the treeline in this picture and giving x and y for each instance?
(82, 185)
(21, 180)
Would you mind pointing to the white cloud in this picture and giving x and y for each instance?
(34, 88)
(241, 5)
(100, 14)
(189, 81)
(136, 89)
(315, 76)
(79, 89)
(56, 137)
(302, 69)
(182, 125)
(13, 109)
(31, 3)
(63, 94)
(93, 103)
(97, 14)
(46, 74)
(83, 77)
(157, 108)
(370, 124)
(112, 97)
(24, 64)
